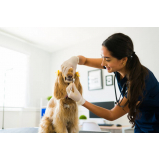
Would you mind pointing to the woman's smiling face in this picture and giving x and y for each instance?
(112, 64)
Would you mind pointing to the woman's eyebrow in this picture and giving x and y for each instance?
(105, 57)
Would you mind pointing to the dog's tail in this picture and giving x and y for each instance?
(46, 125)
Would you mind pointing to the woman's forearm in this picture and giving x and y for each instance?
(91, 62)
(99, 111)
(82, 60)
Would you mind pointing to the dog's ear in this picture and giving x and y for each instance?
(60, 87)
(77, 83)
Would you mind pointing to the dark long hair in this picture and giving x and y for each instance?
(121, 46)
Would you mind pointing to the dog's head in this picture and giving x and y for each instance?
(63, 81)
(69, 77)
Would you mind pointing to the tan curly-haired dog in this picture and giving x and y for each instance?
(61, 114)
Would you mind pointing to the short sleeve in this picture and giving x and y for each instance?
(151, 86)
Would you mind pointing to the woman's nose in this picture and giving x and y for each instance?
(102, 64)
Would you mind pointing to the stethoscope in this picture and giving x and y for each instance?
(118, 100)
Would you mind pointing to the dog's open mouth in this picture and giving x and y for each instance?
(69, 79)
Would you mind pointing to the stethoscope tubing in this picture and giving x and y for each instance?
(117, 100)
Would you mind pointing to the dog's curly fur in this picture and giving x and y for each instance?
(61, 114)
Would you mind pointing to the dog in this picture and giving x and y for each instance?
(61, 114)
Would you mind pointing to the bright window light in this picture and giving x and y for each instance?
(13, 78)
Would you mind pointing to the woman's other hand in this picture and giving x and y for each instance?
(72, 62)
(76, 96)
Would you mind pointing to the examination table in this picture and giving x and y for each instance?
(35, 130)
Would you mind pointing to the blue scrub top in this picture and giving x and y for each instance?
(148, 122)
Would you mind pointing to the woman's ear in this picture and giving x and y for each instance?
(60, 87)
(124, 60)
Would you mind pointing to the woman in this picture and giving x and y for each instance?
(138, 86)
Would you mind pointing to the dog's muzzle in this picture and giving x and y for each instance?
(69, 79)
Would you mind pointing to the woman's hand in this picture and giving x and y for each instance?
(76, 96)
(72, 62)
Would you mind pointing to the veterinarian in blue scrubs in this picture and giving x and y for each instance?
(137, 84)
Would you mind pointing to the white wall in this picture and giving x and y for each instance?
(146, 47)
(38, 84)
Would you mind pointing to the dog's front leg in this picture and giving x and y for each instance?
(74, 129)
(60, 127)
(46, 125)
(75, 126)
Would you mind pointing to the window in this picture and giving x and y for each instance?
(13, 78)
